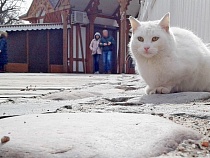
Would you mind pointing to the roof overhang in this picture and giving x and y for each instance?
(28, 27)
(106, 7)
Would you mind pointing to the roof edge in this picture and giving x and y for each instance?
(28, 27)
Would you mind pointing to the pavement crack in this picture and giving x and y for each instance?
(4, 117)
(118, 99)
(203, 117)
(61, 151)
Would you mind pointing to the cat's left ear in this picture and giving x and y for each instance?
(165, 22)
(134, 23)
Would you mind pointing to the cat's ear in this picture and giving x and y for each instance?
(165, 22)
(134, 23)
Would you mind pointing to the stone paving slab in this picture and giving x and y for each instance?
(91, 135)
(175, 98)
(27, 106)
(29, 85)
(70, 93)
(2, 100)
(23, 93)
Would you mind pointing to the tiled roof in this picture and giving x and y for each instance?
(54, 2)
(25, 27)
(107, 7)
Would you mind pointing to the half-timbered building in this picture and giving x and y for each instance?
(58, 38)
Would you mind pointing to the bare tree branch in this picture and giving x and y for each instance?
(9, 11)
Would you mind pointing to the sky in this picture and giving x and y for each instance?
(25, 6)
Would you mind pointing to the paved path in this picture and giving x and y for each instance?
(28, 94)
(91, 135)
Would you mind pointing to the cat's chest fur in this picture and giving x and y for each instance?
(157, 72)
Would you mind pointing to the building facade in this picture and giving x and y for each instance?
(72, 41)
(35, 48)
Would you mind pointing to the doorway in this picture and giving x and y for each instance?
(112, 32)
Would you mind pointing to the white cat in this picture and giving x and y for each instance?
(169, 59)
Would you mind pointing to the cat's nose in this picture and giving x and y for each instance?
(146, 49)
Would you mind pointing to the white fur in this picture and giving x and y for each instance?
(178, 61)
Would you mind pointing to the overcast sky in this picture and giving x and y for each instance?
(25, 6)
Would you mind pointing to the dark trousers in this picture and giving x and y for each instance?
(96, 58)
(1, 67)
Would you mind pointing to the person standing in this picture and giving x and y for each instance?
(96, 51)
(107, 43)
(3, 50)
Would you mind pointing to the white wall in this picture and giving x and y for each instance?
(189, 14)
(80, 63)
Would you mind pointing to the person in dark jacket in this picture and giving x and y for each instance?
(3, 50)
(107, 43)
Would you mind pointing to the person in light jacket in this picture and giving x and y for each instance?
(96, 51)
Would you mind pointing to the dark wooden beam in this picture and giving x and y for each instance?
(123, 28)
(92, 14)
(71, 49)
(87, 37)
(65, 42)
(106, 16)
(116, 11)
(77, 47)
(89, 5)
(90, 30)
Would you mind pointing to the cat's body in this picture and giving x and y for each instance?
(169, 59)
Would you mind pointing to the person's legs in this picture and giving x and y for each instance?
(1, 68)
(94, 62)
(109, 61)
(105, 61)
(97, 62)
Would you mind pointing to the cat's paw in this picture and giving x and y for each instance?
(159, 90)
(163, 90)
(149, 90)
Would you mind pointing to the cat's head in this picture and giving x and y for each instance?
(150, 38)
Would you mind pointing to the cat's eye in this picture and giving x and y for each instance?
(155, 39)
(141, 39)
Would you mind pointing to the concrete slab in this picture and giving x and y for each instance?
(71, 95)
(173, 98)
(29, 85)
(28, 106)
(2, 100)
(90, 135)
